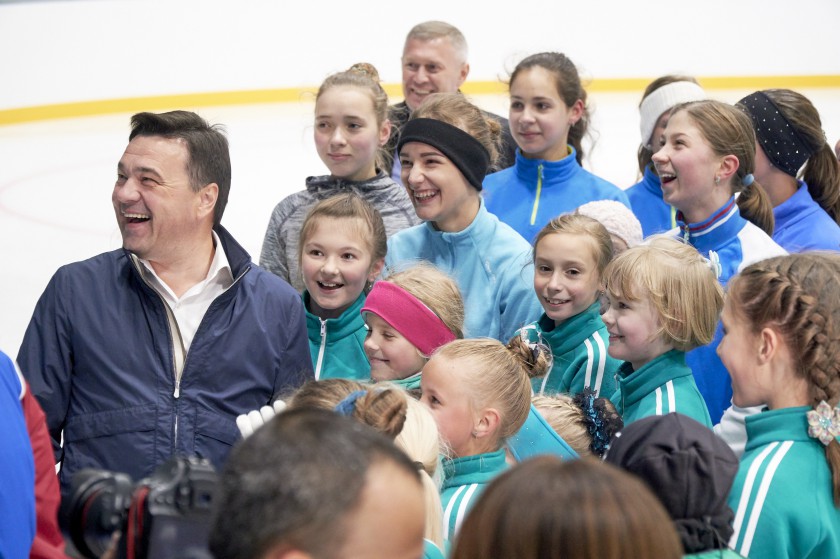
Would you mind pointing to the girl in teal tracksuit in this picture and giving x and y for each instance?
(570, 256)
(780, 347)
(664, 299)
(479, 393)
(341, 251)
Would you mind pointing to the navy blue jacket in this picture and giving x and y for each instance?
(98, 355)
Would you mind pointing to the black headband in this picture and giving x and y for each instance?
(467, 153)
(778, 137)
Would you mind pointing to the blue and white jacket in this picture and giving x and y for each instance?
(533, 191)
(738, 243)
(802, 224)
(491, 263)
(655, 215)
(98, 355)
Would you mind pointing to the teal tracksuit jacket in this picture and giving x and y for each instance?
(782, 495)
(337, 344)
(579, 348)
(665, 385)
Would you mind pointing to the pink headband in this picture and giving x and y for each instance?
(408, 315)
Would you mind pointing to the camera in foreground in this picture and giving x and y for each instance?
(164, 516)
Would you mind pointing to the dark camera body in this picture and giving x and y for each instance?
(164, 516)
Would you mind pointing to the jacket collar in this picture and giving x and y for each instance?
(345, 325)
(330, 183)
(724, 223)
(570, 333)
(635, 385)
(768, 426)
(554, 172)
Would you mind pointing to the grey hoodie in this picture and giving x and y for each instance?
(279, 251)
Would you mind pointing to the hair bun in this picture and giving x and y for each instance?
(365, 69)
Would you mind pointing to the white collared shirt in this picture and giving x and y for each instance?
(189, 308)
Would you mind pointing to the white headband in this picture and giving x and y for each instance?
(663, 99)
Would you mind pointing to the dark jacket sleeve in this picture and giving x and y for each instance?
(46, 359)
(296, 367)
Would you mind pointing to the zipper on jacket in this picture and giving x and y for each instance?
(177, 376)
(321, 349)
(539, 191)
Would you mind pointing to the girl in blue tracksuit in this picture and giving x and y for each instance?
(660, 96)
(445, 150)
(664, 299)
(570, 256)
(342, 250)
(781, 344)
(409, 315)
(707, 155)
(790, 135)
(548, 120)
(479, 392)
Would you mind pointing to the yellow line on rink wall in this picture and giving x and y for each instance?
(294, 95)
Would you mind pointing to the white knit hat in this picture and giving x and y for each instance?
(616, 218)
(664, 99)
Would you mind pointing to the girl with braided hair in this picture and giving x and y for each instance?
(781, 346)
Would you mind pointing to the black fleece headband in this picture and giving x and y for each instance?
(778, 137)
(467, 153)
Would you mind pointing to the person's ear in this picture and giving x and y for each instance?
(487, 423)
(376, 270)
(207, 197)
(576, 112)
(728, 166)
(768, 345)
(385, 132)
(462, 75)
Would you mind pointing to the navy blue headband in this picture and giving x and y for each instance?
(467, 153)
(778, 137)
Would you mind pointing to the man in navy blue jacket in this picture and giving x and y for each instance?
(154, 349)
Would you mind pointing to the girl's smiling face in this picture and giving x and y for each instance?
(635, 329)
(391, 355)
(437, 188)
(687, 168)
(566, 277)
(337, 263)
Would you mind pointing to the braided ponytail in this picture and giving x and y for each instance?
(799, 296)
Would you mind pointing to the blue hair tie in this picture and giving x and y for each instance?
(348, 405)
(748, 180)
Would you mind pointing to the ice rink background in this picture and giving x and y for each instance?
(56, 174)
